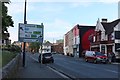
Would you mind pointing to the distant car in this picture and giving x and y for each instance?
(95, 57)
(46, 57)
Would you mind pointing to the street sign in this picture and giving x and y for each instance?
(30, 33)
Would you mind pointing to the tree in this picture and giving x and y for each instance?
(34, 46)
(6, 20)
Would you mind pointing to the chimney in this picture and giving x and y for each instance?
(104, 20)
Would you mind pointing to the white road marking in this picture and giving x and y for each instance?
(64, 76)
(33, 58)
(111, 71)
(96, 67)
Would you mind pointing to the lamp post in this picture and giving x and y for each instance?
(41, 53)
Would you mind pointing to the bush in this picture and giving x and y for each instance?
(12, 48)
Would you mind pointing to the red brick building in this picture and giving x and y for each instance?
(57, 48)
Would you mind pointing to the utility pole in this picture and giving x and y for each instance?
(24, 43)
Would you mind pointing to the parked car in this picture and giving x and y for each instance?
(95, 57)
(83, 53)
(46, 57)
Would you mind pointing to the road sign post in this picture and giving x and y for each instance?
(24, 43)
(29, 33)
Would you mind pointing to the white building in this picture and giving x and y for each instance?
(46, 47)
(106, 37)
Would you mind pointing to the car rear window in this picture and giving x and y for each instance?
(99, 54)
(47, 54)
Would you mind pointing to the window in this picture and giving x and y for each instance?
(98, 35)
(111, 36)
(3, 41)
(117, 34)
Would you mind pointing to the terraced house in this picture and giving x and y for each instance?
(107, 37)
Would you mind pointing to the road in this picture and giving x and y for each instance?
(78, 68)
(73, 68)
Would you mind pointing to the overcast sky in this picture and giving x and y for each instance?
(60, 16)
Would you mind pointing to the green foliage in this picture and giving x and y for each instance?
(7, 56)
(6, 19)
(12, 48)
(34, 46)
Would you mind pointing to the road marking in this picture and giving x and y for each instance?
(83, 64)
(64, 76)
(33, 58)
(111, 71)
(95, 67)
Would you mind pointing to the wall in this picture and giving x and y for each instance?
(68, 43)
(57, 48)
(12, 67)
(76, 41)
(85, 32)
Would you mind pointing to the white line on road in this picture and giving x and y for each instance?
(64, 76)
(33, 58)
(111, 71)
(96, 67)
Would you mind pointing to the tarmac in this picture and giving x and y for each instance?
(35, 70)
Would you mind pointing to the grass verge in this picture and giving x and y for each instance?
(7, 56)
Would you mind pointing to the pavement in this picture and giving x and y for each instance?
(33, 69)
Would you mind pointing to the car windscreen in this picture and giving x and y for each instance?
(99, 54)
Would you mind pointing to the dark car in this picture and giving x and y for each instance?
(46, 57)
(95, 57)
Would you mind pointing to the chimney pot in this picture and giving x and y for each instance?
(104, 20)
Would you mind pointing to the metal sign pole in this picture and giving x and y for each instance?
(41, 53)
(41, 36)
(24, 43)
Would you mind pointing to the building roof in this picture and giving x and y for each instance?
(84, 26)
(109, 26)
(47, 44)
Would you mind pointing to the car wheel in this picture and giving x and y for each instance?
(86, 60)
(95, 61)
(52, 61)
(106, 62)
(39, 60)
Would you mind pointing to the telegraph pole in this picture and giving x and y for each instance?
(24, 43)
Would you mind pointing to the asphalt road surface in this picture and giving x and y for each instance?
(69, 67)
(78, 68)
